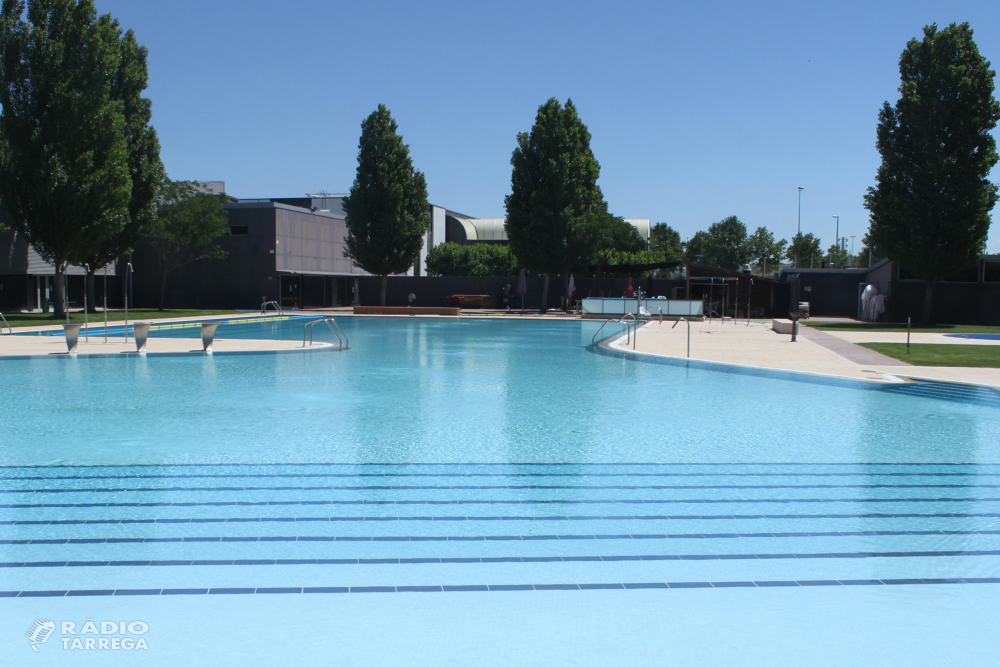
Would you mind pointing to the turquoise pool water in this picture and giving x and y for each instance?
(491, 492)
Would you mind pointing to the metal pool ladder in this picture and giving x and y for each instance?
(628, 328)
(331, 323)
(274, 304)
(9, 330)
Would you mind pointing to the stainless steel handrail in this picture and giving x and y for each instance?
(632, 331)
(331, 323)
(689, 332)
(9, 330)
(277, 307)
(593, 341)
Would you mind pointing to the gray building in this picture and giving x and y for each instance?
(26, 278)
(288, 250)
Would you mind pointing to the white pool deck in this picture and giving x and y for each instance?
(815, 352)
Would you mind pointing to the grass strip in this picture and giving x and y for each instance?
(927, 354)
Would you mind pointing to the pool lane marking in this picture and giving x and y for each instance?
(506, 475)
(502, 474)
(474, 464)
(487, 538)
(654, 517)
(513, 487)
(499, 559)
(491, 588)
(693, 501)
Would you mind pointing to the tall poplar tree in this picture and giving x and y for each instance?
(64, 175)
(387, 211)
(555, 202)
(144, 165)
(931, 202)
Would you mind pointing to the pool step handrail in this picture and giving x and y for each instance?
(9, 330)
(265, 304)
(331, 324)
(630, 334)
(593, 341)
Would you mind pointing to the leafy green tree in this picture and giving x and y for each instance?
(145, 168)
(698, 249)
(868, 255)
(186, 228)
(723, 245)
(763, 249)
(836, 257)
(387, 211)
(477, 259)
(64, 163)
(611, 232)
(930, 206)
(555, 203)
(609, 259)
(666, 243)
(810, 249)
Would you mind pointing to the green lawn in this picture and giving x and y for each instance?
(979, 356)
(892, 326)
(40, 320)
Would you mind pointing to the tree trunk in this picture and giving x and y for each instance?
(163, 288)
(928, 301)
(58, 293)
(545, 294)
(91, 301)
(385, 280)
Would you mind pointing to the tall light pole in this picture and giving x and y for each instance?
(798, 236)
(852, 246)
(836, 242)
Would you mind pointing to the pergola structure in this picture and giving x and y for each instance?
(728, 293)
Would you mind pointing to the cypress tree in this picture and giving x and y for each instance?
(931, 202)
(387, 210)
(144, 165)
(555, 202)
(64, 174)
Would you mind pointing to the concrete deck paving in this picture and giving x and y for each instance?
(900, 337)
(816, 352)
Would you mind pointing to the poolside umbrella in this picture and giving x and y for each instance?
(522, 288)
(629, 292)
(570, 291)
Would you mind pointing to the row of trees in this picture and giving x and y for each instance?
(557, 219)
(80, 169)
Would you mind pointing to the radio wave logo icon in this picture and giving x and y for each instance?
(39, 632)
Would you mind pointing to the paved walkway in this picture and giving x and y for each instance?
(900, 337)
(848, 350)
(815, 352)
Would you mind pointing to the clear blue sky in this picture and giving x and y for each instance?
(697, 110)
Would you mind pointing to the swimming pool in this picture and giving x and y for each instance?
(491, 492)
(975, 336)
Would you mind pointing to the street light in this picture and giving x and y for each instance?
(833, 263)
(798, 236)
